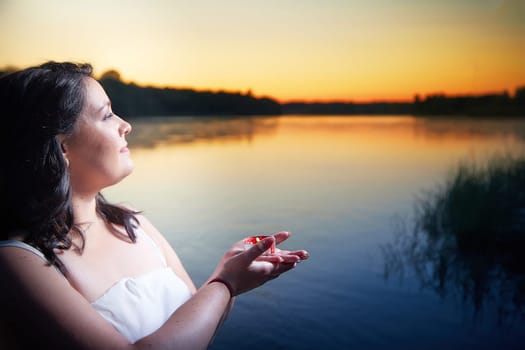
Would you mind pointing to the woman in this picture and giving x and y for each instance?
(79, 272)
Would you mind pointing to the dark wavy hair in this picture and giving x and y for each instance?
(37, 104)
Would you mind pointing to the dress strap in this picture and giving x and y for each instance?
(140, 232)
(20, 244)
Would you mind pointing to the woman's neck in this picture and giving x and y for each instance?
(85, 209)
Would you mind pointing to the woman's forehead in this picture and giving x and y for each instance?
(96, 98)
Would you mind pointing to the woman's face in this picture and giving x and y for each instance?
(97, 149)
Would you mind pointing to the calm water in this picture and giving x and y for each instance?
(345, 187)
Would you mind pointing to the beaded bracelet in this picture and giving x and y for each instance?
(227, 284)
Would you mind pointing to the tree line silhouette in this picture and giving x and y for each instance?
(482, 105)
(131, 100)
(495, 104)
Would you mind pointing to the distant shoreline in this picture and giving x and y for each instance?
(131, 100)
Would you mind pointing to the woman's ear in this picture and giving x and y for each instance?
(61, 140)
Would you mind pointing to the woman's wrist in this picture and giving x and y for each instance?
(225, 283)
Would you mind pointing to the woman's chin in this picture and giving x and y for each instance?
(129, 169)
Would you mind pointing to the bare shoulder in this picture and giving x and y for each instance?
(36, 297)
(29, 276)
(151, 230)
(17, 264)
(169, 253)
(156, 235)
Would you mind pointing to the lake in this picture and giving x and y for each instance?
(346, 187)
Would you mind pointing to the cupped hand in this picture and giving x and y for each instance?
(284, 256)
(247, 269)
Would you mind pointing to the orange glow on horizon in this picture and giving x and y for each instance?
(343, 50)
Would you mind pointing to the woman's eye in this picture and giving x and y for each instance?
(108, 115)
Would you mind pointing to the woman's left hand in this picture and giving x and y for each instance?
(285, 257)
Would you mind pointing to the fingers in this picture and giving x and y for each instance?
(281, 236)
(274, 259)
(302, 254)
(285, 256)
(277, 259)
(257, 249)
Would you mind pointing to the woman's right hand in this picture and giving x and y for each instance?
(248, 269)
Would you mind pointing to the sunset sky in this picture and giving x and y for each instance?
(286, 49)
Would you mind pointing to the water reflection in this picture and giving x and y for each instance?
(149, 132)
(334, 182)
(436, 127)
(468, 238)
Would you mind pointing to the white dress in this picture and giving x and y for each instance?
(136, 306)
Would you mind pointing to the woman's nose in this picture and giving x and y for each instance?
(125, 127)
